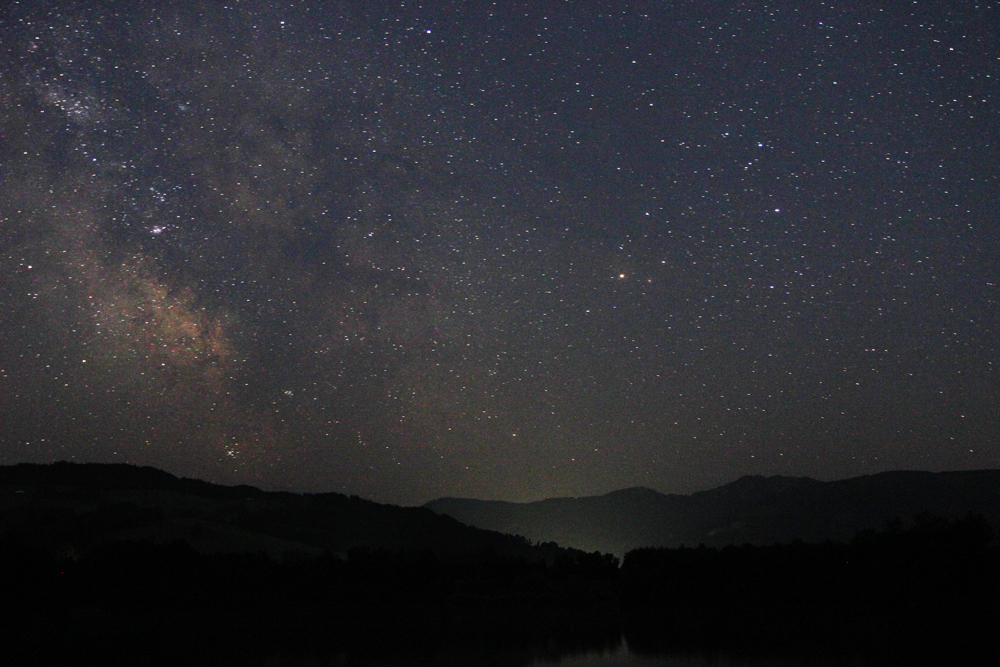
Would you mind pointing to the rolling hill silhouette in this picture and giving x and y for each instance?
(69, 507)
(751, 510)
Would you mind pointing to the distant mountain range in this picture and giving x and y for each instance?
(751, 510)
(69, 509)
(72, 508)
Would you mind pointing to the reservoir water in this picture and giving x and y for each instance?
(621, 656)
(616, 655)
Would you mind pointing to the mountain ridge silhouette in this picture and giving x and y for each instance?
(753, 509)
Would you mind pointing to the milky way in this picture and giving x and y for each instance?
(507, 250)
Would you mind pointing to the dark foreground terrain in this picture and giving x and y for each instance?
(115, 562)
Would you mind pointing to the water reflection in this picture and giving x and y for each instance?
(610, 654)
(623, 656)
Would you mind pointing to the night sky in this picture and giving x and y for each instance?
(502, 250)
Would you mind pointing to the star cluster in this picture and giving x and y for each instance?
(505, 250)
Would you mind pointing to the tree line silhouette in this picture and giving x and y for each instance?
(124, 596)
(903, 593)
